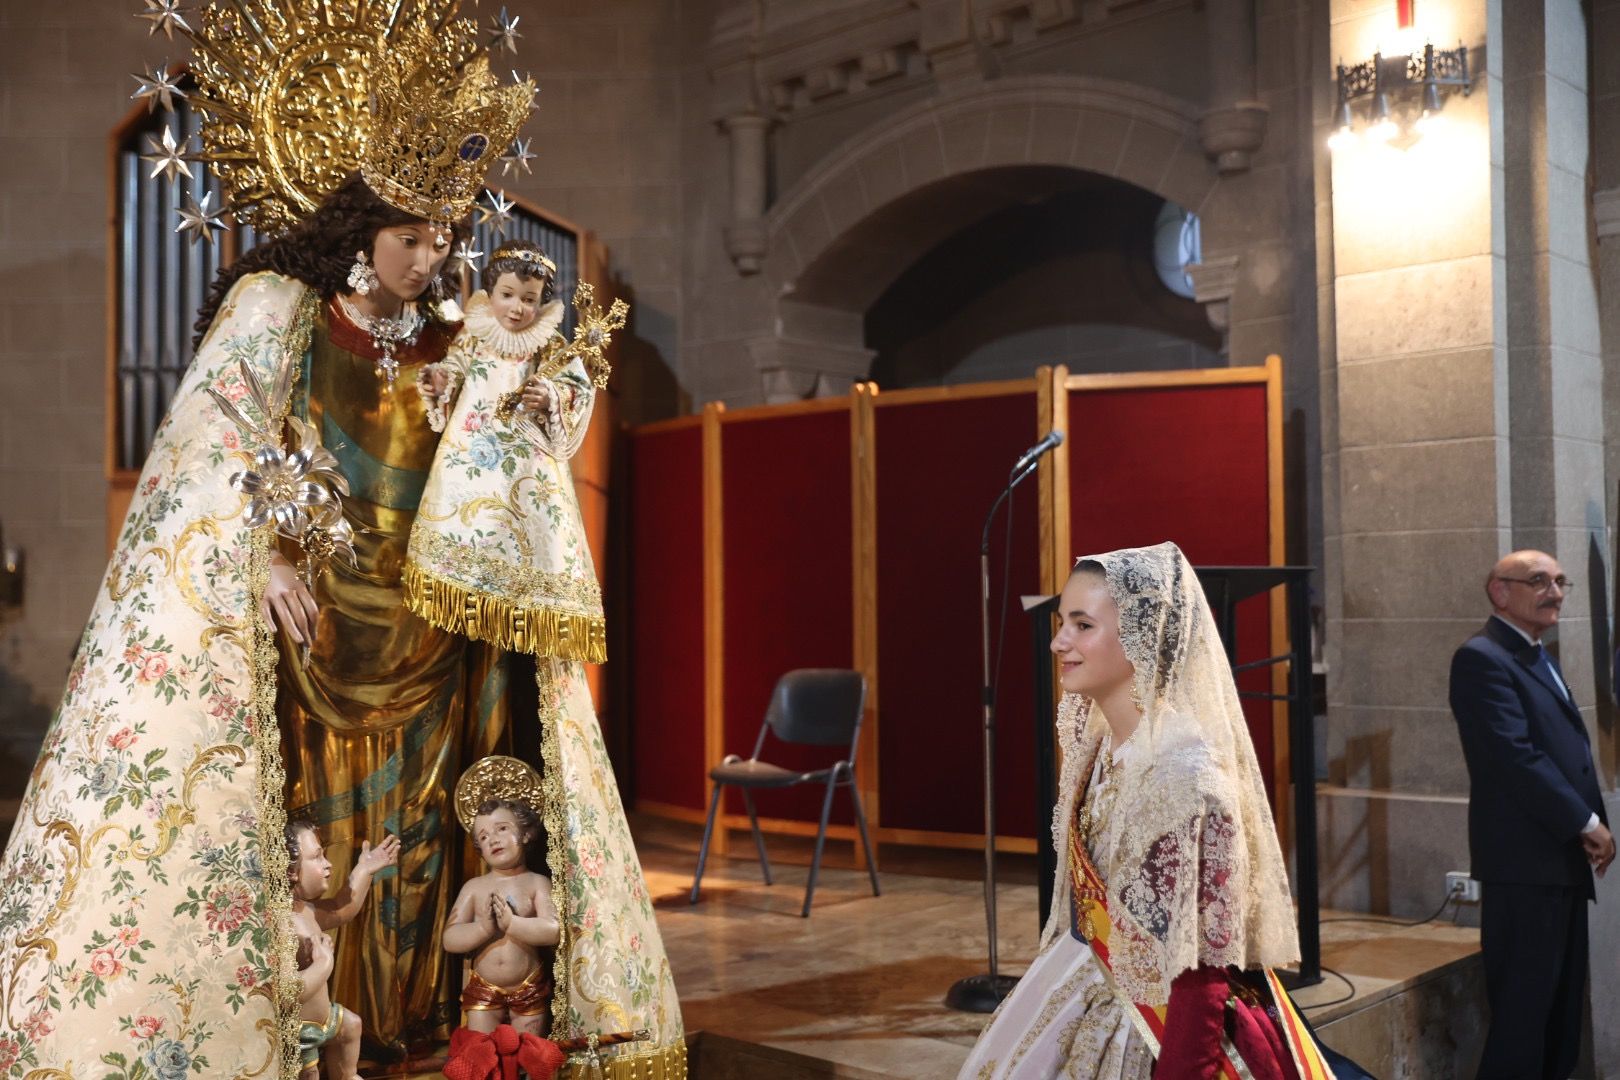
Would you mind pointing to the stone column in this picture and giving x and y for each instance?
(745, 235)
(1417, 407)
(1235, 125)
(1469, 411)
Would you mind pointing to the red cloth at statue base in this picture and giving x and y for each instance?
(497, 1055)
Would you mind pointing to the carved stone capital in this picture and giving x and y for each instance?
(1230, 136)
(1214, 281)
(815, 352)
(746, 243)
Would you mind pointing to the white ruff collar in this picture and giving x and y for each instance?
(513, 345)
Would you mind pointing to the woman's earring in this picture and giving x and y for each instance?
(438, 288)
(362, 278)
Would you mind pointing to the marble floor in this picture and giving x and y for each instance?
(857, 990)
(859, 986)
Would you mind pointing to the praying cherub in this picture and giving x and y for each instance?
(504, 918)
(327, 1029)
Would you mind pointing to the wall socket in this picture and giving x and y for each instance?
(1459, 886)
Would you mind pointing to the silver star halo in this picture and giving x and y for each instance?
(157, 87)
(534, 87)
(168, 157)
(498, 214)
(506, 32)
(164, 15)
(199, 221)
(518, 157)
(466, 255)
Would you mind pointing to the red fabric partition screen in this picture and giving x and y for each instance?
(665, 654)
(1189, 464)
(941, 461)
(845, 533)
(785, 482)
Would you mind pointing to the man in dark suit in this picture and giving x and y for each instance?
(1536, 826)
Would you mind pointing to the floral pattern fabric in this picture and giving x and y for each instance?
(138, 922)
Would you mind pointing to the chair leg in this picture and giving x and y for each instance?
(821, 841)
(759, 839)
(866, 842)
(703, 848)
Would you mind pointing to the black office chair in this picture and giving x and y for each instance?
(811, 706)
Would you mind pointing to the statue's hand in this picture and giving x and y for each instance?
(502, 913)
(287, 602)
(536, 396)
(432, 381)
(384, 854)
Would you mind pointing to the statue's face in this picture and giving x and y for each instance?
(313, 870)
(515, 301)
(500, 839)
(408, 257)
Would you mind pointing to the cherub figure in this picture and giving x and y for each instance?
(505, 917)
(328, 1029)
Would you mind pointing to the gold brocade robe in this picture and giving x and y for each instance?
(389, 709)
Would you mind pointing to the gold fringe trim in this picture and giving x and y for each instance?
(480, 616)
(664, 1063)
(271, 779)
(559, 850)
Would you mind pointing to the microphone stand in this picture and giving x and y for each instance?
(982, 993)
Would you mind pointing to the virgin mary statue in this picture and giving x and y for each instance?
(250, 656)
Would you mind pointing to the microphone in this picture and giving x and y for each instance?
(1053, 440)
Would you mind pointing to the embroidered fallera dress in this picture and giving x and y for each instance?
(1170, 862)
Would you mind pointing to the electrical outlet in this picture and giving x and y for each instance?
(1459, 886)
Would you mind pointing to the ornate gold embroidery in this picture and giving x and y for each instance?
(436, 553)
(543, 631)
(271, 776)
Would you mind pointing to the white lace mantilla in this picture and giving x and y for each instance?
(1189, 852)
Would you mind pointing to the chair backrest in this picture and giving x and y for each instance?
(817, 706)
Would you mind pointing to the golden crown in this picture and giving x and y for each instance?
(527, 255)
(296, 95)
(427, 150)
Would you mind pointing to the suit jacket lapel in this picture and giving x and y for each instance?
(1526, 655)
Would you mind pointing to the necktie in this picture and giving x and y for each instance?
(1545, 665)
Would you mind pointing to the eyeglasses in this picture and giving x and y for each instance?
(1541, 582)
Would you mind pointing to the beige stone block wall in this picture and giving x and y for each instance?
(66, 85)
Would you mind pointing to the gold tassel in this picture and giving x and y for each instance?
(480, 616)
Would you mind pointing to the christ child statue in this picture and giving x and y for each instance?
(498, 550)
(505, 917)
(327, 1029)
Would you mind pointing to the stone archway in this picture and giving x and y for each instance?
(845, 230)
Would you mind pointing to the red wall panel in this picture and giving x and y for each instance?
(666, 609)
(789, 599)
(939, 467)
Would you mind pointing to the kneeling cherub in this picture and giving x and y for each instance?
(327, 1028)
(505, 917)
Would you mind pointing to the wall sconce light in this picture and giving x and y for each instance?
(1389, 88)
